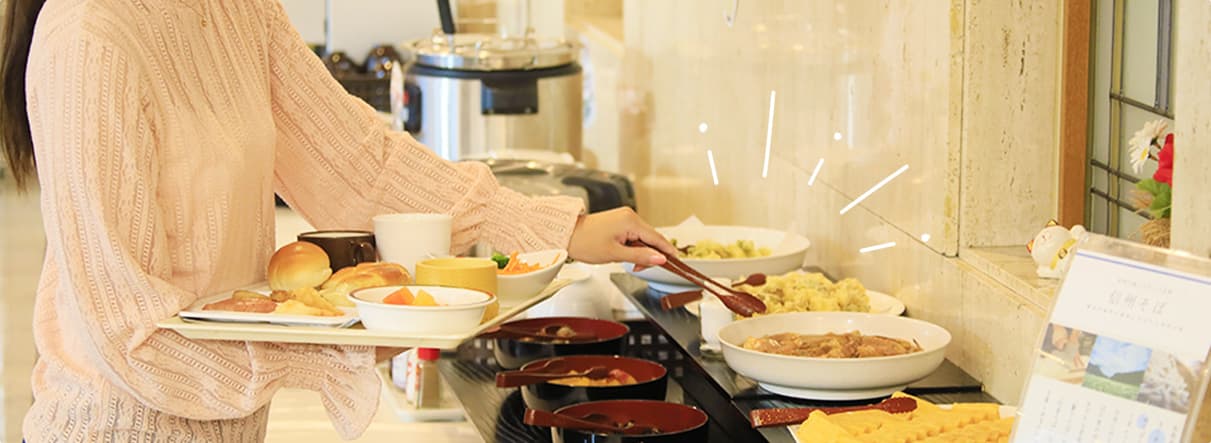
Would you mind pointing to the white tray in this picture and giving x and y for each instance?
(354, 335)
(196, 313)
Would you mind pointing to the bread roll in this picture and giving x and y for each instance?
(369, 275)
(365, 275)
(298, 265)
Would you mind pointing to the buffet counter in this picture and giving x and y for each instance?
(671, 338)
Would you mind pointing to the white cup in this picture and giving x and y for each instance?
(409, 238)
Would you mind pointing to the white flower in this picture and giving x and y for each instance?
(1141, 142)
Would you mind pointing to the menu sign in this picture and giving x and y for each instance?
(1123, 356)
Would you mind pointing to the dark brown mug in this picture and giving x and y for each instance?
(344, 248)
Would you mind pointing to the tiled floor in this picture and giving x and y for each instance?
(296, 416)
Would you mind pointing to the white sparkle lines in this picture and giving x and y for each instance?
(820, 164)
(769, 134)
(874, 188)
(710, 157)
(877, 247)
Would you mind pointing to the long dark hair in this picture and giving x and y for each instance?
(15, 138)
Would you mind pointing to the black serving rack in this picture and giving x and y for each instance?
(496, 413)
(671, 338)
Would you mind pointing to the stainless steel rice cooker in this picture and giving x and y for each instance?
(468, 95)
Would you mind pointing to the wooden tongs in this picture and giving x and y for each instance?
(739, 302)
(763, 418)
(679, 299)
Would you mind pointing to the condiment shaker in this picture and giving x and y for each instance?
(403, 373)
(429, 384)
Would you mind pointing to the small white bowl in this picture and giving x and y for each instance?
(461, 310)
(834, 373)
(517, 287)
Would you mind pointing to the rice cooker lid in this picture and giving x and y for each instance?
(484, 52)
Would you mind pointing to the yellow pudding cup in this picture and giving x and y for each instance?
(461, 272)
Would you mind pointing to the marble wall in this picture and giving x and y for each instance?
(1192, 106)
(962, 92)
(1192, 159)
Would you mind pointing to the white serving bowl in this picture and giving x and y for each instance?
(839, 374)
(787, 253)
(462, 310)
(517, 287)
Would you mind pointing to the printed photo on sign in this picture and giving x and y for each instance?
(1169, 383)
(1116, 367)
(1065, 354)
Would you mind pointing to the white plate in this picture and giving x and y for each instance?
(834, 373)
(195, 313)
(880, 303)
(788, 251)
(1006, 412)
(832, 395)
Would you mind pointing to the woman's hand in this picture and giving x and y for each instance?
(602, 238)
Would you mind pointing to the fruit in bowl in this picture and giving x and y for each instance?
(428, 310)
(403, 296)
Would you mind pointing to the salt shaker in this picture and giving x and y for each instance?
(428, 394)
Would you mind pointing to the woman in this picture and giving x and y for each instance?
(162, 129)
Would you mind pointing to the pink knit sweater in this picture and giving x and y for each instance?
(162, 130)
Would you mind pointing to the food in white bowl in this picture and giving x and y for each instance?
(710, 249)
(834, 374)
(809, 291)
(851, 344)
(540, 268)
(786, 253)
(457, 310)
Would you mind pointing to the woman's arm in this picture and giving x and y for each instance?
(339, 165)
(97, 159)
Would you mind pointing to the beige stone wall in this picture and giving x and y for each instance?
(1010, 125)
(1192, 107)
(1191, 181)
(964, 92)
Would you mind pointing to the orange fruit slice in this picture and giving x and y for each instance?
(401, 297)
(423, 299)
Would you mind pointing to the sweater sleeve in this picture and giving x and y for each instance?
(96, 147)
(339, 165)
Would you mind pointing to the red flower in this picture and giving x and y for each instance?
(1164, 160)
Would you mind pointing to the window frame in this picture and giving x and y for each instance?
(1076, 187)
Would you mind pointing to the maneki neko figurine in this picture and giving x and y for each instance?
(1052, 248)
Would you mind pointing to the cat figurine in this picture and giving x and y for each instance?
(1052, 248)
